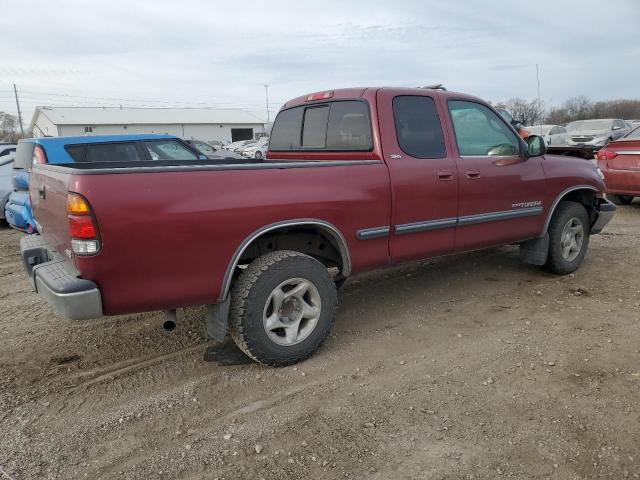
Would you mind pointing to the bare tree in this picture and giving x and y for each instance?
(8, 124)
(529, 112)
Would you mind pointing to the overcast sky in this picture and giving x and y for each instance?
(220, 54)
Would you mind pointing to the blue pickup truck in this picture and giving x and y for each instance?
(99, 148)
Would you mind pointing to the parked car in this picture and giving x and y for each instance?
(257, 150)
(6, 180)
(372, 177)
(210, 151)
(595, 133)
(234, 145)
(620, 164)
(6, 149)
(247, 144)
(88, 149)
(553, 135)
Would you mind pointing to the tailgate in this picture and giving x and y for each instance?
(627, 155)
(48, 188)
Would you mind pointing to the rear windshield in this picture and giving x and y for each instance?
(634, 135)
(335, 126)
(24, 156)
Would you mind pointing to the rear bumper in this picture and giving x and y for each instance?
(57, 281)
(605, 213)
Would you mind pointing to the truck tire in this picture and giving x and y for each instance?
(620, 199)
(568, 238)
(282, 308)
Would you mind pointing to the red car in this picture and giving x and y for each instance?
(620, 164)
(354, 180)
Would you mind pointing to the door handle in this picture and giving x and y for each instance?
(445, 175)
(41, 192)
(472, 174)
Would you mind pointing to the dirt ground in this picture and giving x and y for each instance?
(465, 367)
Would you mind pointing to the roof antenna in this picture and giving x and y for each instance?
(435, 86)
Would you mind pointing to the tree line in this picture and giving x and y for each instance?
(532, 112)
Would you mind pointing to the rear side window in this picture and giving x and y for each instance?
(112, 152)
(24, 156)
(169, 150)
(76, 152)
(418, 126)
(335, 126)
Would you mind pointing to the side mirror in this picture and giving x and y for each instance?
(536, 146)
(616, 127)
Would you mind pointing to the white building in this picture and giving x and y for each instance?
(198, 123)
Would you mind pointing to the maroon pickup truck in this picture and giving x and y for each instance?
(354, 180)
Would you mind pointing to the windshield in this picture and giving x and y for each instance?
(589, 125)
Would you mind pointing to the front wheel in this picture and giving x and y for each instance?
(283, 306)
(620, 199)
(568, 238)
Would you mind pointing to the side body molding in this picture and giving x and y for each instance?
(327, 227)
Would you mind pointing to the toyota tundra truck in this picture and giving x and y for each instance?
(354, 180)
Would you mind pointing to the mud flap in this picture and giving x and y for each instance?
(535, 252)
(218, 320)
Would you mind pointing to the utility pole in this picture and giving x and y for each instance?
(539, 101)
(18, 105)
(266, 93)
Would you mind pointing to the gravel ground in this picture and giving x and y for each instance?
(474, 366)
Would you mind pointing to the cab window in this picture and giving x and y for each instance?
(342, 125)
(481, 132)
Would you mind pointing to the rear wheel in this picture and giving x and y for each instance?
(282, 308)
(568, 238)
(620, 199)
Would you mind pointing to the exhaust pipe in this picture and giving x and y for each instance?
(170, 320)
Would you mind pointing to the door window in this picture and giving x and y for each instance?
(418, 126)
(480, 132)
(169, 150)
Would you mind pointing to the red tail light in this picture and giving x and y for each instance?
(39, 157)
(605, 154)
(82, 227)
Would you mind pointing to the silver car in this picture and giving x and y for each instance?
(595, 133)
(553, 135)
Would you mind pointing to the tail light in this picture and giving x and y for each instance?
(39, 156)
(605, 155)
(82, 226)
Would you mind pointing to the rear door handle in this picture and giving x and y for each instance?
(445, 175)
(41, 192)
(472, 174)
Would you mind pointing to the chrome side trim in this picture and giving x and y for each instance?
(328, 227)
(371, 233)
(425, 226)
(559, 198)
(502, 215)
(627, 152)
